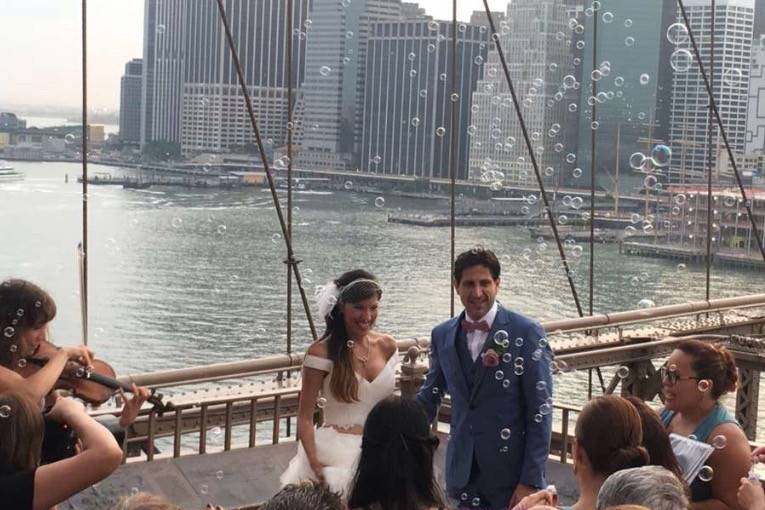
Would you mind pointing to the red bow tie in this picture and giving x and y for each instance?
(469, 326)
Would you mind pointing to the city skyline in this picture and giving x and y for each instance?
(51, 53)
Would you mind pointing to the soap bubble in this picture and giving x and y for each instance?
(645, 303)
(719, 441)
(219, 475)
(677, 33)
(379, 202)
(538, 418)
(5, 411)
(518, 369)
(435, 390)
(732, 77)
(499, 375)
(644, 79)
(706, 474)
(637, 160)
(176, 222)
(501, 337)
(681, 60)
(440, 131)
(704, 385)
(541, 386)
(9, 331)
(545, 409)
(623, 372)
(276, 237)
(476, 502)
(660, 155)
(321, 402)
(504, 434)
(325, 70)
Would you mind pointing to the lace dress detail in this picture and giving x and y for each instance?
(339, 451)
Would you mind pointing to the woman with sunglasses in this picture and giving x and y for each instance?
(694, 378)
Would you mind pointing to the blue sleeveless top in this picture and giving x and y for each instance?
(702, 491)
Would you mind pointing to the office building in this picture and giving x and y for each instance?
(755, 119)
(130, 101)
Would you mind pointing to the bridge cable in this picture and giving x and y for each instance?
(83, 247)
(453, 157)
(709, 150)
(290, 127)
(269, 175)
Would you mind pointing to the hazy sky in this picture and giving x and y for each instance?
(41, 43)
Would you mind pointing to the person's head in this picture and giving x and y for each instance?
(304, 496)
(650, 486)
(695, 372)
(608, 438)
(25, 311)
(655, 437)
(21, 427)
(351, 316)
(144, 501)
(395, 470)
(476, 281)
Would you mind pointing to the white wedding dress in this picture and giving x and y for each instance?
(338, 451)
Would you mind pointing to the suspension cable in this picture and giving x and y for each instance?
(269, 176)
(83, 253)
(532, 157)
(710, 124)
(453, 157)
(721, 128)
(290, 127)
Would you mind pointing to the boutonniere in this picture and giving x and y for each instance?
(490, 358)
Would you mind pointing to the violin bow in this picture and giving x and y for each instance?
(83, 293)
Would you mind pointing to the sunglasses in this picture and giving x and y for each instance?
(672, 377)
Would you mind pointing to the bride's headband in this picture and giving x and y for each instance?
(328, 295)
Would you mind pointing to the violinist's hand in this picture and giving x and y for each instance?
(759, 454)
(79, 353)
(750, 495)
(64, 409)
(133, 406)
(538, 498)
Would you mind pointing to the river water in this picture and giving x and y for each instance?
(182, 277)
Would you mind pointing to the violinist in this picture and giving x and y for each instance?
(25, 312)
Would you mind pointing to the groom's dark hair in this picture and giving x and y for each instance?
(476, 257)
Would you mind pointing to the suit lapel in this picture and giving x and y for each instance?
(500, 322)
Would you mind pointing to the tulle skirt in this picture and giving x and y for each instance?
(337, 451)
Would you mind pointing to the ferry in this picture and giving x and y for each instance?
(8, 173)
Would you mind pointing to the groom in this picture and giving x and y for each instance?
(495, 364)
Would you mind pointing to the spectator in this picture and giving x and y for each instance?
(304, 496)
(24, 485)
(750, 495)
(653, 487)
(656, 438)
(608, 438)
(694, 378)
(395, 470)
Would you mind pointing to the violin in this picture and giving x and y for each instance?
(94, 384)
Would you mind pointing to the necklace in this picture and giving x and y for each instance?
(362, 358)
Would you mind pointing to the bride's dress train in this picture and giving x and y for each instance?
(336, 450)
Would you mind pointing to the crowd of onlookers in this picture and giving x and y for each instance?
(625, 454)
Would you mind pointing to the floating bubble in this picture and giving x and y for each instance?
(629, 41)
(203, 489)
(608, 17)
(677, 33)
(501, 337)
(276, 237)
(379, 202)
(704, 385)
(321, 402)
(440, 131)
(5, 411)
(506, 382)
(538, 418)
(545, 409)
(541, 386)
(637, 160)
(415, 121)
(505, 434)
(650, 182)
(644, 79)
(476, 502)
(577, 173)
(681, 60)
(628, 23)
(542, 342)
(499, 375)
(160, 29)
(719, 441)
(435, 390)
(518, 369)
(349, 344)
(9, 331)
(646, 303)
(623, 372)
(219, 475)
(221, 229)
(176, 222)
(536, 355)
(348, 185)
(732, 77)
(325, 70)
(706, 474)
(570, 157)
(660, 155)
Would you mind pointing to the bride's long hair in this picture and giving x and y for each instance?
(343, 382)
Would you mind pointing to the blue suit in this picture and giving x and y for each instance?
(484, 404)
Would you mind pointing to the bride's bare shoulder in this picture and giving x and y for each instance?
(387, 343)
(318, 348)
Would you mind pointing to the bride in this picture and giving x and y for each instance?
(346, 372)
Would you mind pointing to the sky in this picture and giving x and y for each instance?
(41, 45)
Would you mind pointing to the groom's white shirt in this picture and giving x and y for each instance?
(477, 338)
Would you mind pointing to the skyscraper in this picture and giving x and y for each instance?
(130, 102)
(755, 120)
(334, 83)
(690, 113)
(190, 86)
(536, 57)
(407, 100)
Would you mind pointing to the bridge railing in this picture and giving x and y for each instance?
(264, 392)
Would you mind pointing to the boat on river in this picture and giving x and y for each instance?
(8, 173)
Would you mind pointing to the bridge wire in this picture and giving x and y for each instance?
(290, 127)
(84, 252)
(452, 157)
(527, 139)
(269, 176)
(709, 150)
(720, 126)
